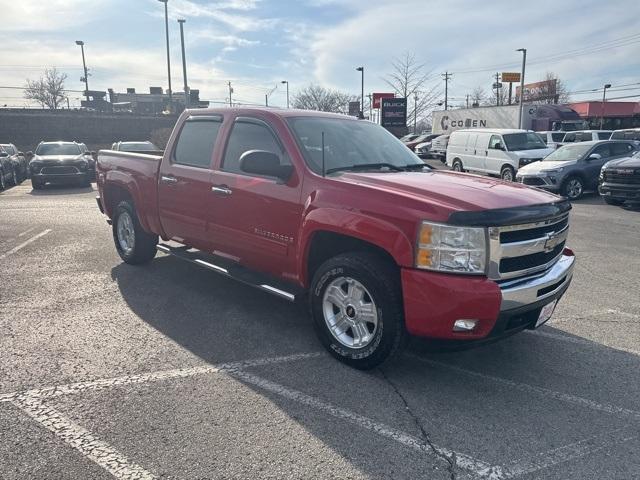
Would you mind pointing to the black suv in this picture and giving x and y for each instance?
(620, 180)
(61, 162)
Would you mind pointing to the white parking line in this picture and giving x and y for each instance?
(569, 452)
(28, 231)
(476, 467)
(525, 387)
(82, 440)
(24, 244)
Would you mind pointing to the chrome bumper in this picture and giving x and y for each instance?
(522, 292)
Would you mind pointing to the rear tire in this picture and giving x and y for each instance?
(613, 201)
(456, 166)
(356, 305)
(134, 245)
(36, 184)
(507, 173)
(3, 184)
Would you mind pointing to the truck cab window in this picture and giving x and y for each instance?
(195, 143)
(247, 136)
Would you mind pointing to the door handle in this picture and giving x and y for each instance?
(221, 189)
(168, 179)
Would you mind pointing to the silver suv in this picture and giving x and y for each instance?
(572, 169)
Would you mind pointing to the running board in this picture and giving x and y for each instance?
(233, 270)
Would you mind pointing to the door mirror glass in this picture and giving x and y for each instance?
(261, 162)
(594, 156)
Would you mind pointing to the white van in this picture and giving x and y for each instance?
(499, 151)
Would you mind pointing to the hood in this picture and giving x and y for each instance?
(537, 167)
(423, 144)
(59, 159)
(627, 162)
(535, 153)
(455, 191)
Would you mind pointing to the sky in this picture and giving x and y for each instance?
(255, 44)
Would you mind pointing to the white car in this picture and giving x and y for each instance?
(499, 151)
(553, 138)
(439, 147)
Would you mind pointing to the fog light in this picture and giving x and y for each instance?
(464, 325)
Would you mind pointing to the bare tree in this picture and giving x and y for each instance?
(478, 97)
(409, 79)
(315, 97)
(562, 93)
(48, 90)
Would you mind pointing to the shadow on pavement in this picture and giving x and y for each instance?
(61, 190)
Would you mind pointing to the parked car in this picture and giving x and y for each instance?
(426, 137)
(572, 169)
(91, 158)
(8, 175)
(60, 162)
(337, 211)
(552, 138)
(586, 136)
(496, 152)
(439, 147)
(409, 137)
(20, 163)
(627, 134)
(620, 180)
(137, 147)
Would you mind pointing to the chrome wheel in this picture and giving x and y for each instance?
(507, 175)
(574, 188)
(350, 312)
(126, 233)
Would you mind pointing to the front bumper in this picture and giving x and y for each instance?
(620, 191)
(434, 301)
(62, 178)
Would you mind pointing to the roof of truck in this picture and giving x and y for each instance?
(279, 112)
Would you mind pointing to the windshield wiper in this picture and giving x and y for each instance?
(366, 166)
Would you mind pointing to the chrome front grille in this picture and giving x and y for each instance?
(521, 250)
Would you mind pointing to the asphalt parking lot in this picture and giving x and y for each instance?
(169, 371)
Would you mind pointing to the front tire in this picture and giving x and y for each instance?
(456, 166)
(507, 173)
(573, 188)
(356, 306)
(134, 245)
(36, 184)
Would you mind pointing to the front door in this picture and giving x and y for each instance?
(184, 187)
(256, 217)
(495, 155)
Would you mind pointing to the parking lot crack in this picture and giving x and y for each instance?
(424, 436)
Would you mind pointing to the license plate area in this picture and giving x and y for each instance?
(546, 313)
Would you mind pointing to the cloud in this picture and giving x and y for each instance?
(212, 36)
(220, 12)
(41, 16)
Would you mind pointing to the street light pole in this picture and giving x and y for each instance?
(84, 66)
(287, 82)
(524, 62)
(604, 96)
(166, 27)
(415, 112)
(361, 70)
(187, 98)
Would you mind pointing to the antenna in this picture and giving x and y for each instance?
(323, 154)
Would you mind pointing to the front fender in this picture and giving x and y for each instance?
(381, 233)
(124, 181)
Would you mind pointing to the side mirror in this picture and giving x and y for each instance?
(498, 146)
(21, 154)
(261, 162)
(92, 153)
(594, 156)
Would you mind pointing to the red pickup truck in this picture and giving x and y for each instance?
(337, 211)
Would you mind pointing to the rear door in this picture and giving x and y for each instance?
(592, 167)
(256, 217)
(184, 184)
(470, 160)
(495, 157)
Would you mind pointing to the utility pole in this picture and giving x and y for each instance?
(415, 112)
(370, 97)
(187, 98)
(361, 70)
(604, 96)
(166, 27)
(266, 100)
(467, 100)
(524, 61)
(84, 65)
(287, 82)
(446, 76)
(230, 92)
(497, 85)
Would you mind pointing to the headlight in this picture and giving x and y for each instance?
(553, 171)
(35, 167)
(448, 248)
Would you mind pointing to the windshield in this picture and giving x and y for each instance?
(523, 141)
(137, 147)
(348, 143)
(58, 149)
(568, 153)
(9, 149)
